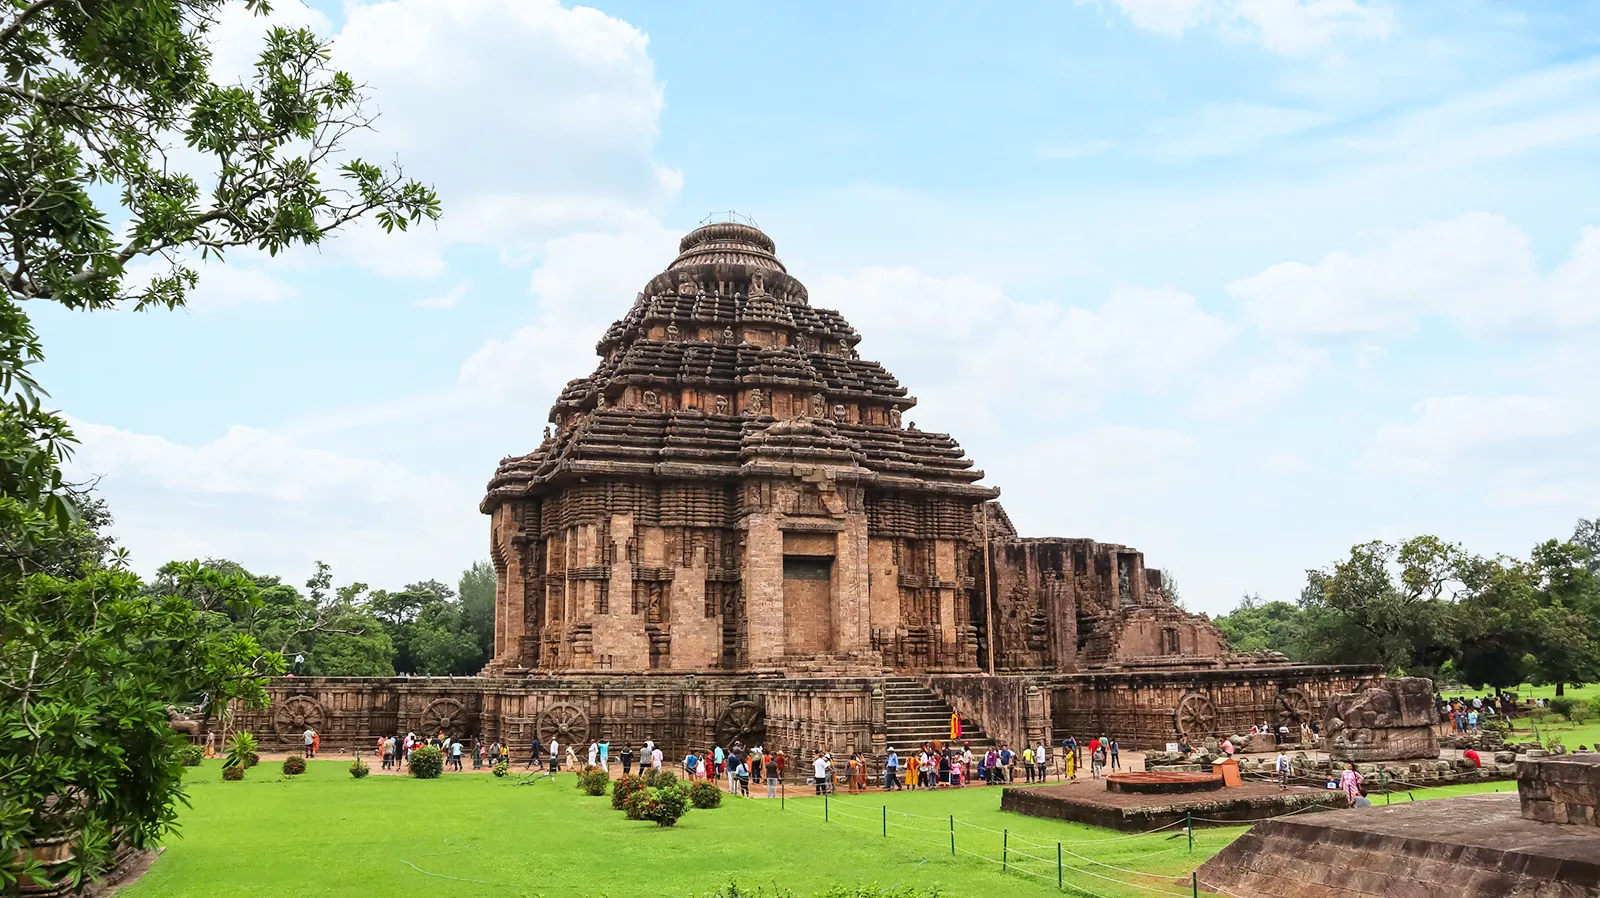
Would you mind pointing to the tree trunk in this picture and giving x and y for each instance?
(1561, 689)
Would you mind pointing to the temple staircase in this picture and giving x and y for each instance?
(914, 714)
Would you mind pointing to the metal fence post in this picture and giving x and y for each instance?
(1058, 865)
(1189, 825)
(952, 835)
(1005, 849)
(824, 806)
(886, 821)
(1194, 883)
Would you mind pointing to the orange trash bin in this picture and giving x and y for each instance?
(1229, 770)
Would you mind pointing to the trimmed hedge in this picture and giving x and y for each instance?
(294, 765)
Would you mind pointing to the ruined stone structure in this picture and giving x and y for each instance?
(1540, 843)
(1389, 721)
(732, 518)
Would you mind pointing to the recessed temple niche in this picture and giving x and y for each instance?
(776, 512)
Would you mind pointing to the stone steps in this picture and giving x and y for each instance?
(914, 714)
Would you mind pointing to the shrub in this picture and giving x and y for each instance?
(233, 774)
(241, 755)
(1497, 725)
(359, 768)
(501, 769)
(294, 765)
(191, 755)
(593, 780)
(1563, 705)
(1555, 746)
(667, 805)
(705, 795)
(636, 804)
(660, 779)
(624, 786)
(427, 762)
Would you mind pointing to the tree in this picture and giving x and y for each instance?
(1257, 626)
(1388, 603)
(1587, 535)
(477, 596)
(87, 668)
(430, 629)
(95, 96)
(1567, 590)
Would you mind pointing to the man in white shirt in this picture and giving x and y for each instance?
(655, 759)
(555, 755)
(819, 769)
(1040, 760)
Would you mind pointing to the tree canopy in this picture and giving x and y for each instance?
(1429, 608)
(103, 103)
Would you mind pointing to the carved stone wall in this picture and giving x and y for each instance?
(1388, 721)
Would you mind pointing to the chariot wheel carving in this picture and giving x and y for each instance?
(444, 715)
(743, 721)
(1294, 708)
(566, 723)
(1195, 716)
(291, 716)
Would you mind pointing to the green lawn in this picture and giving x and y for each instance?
(326, 834)
(1572, 734)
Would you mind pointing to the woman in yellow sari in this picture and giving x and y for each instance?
(1071, 764)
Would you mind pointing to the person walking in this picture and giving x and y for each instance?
(455, 755)
(1350, 781)
(741, 774)
(555, 755)
(1027, 764)
(309, 738)
(1116, 764)
(655, 759)
(594, 752)
(819, 772)
(627, 760)
(891, 772)
(605, 755)
(535, 752)
(1097, 760)
(770, 764)
(1040, 759)
(1282, 767)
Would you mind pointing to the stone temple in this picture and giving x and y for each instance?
(732, 529)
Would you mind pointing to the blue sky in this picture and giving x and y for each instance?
(1237, 282)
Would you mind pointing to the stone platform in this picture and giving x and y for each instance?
(1478, 846)
(1089, 802)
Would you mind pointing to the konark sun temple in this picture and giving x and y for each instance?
(732, 530)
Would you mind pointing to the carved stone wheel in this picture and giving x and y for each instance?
(1196, 716)
(742, 721)
(291, 716)
(1294, 708)
(566, 723)
(443, 715)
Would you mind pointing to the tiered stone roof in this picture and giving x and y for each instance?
(716, 351)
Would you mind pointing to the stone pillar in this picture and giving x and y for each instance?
(762, 572)
(852, 618)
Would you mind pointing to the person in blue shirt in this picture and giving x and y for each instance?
(891, 772)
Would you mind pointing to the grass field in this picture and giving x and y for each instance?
(1571, 734)
(325, 834)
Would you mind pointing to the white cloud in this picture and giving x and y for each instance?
(1282, 26)
(1478, 269)
(275, 504)
(1259, 388)
(531, 119)
(1229, 129)
(968, 349)
(447, 301)
(221, 285)
(586, 281)
(1446, 430)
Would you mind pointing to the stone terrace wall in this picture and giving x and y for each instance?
(1014, 710)
(679, 713)
(1139, 708)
